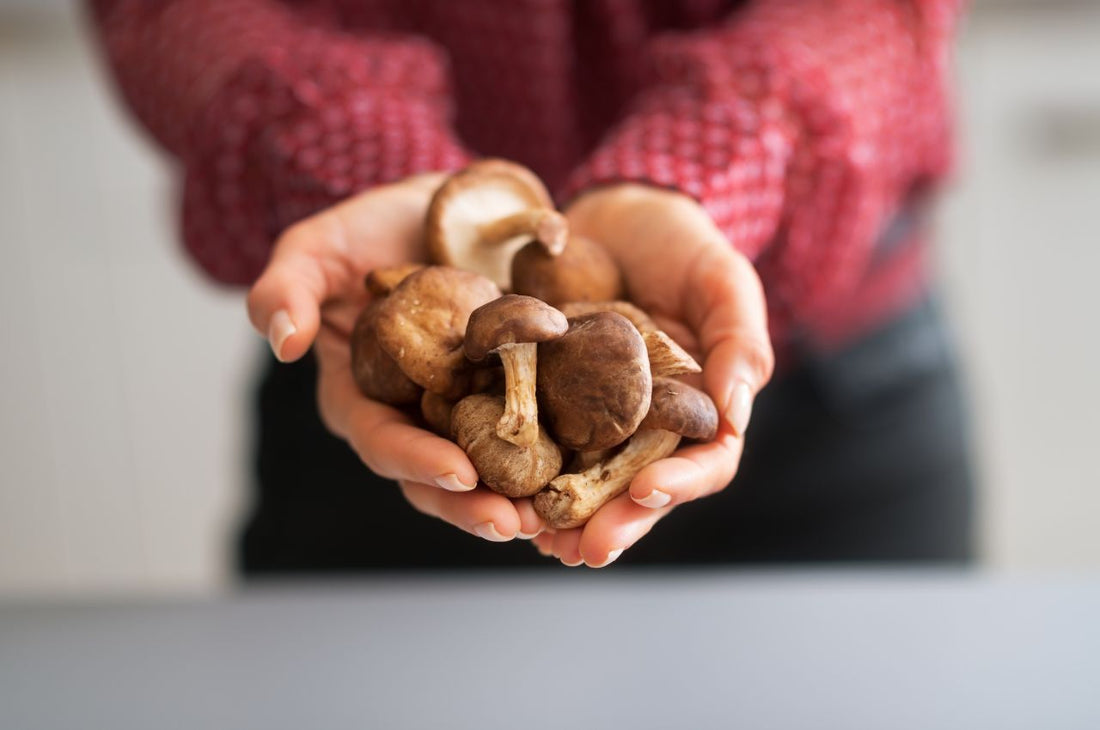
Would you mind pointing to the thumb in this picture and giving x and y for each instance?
(730, 315)
(307, 267)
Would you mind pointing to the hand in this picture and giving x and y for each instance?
(681, 269)
(310, 295)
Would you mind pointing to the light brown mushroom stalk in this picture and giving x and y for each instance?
(520, 423)
(545, 225)
(666, 358)
(570, 499)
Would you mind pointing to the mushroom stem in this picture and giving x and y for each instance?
(520, 423)
(545, 225)
(570, 499)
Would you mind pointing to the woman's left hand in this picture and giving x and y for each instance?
(681, 269)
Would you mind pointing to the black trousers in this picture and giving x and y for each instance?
(861, 456)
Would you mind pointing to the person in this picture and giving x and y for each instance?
(760, 170)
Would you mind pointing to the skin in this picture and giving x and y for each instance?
(677, 266)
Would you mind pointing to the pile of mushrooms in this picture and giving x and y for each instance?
(559, 389)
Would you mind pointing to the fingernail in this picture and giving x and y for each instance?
(451, 483)
(488, 531)
(611, 558)
(529, 535)
(568, 564)
(545, 552)
(740, 409)
(278, 330)
(654, 499)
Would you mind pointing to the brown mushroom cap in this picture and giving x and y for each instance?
(380, 282)
(422, 325)
(594, 384)
(483, 193)
(582, 272)
(511, 319)
(376, 373)
(637, 317)
(681, 409)
(511, 470)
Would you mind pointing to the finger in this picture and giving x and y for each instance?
(691, 473)
(615, 528)
(308, 266)
(386, 439)
(531, 525)
(486, 514)
(566, 547)
(729, 313)
(544, 543)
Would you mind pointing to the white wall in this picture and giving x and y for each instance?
(1020, 251)
(120, 381)
(124, 374)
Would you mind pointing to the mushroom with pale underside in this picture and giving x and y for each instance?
(512, 327)
(677, 411)
(582, 272)
(482, 215)
(422, 325)
(594, 383)
(514, 471)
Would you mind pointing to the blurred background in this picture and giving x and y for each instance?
(124, 377)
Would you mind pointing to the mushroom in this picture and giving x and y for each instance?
(582, 272)
(437, 412)
(666, 357)
(422, 324)
(512, 327)
(380, 282)
(514, 471)
(378, 376)
(594, 383)
(483, 214)
(677, 410)
(637, 317)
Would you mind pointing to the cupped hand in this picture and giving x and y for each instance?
(681, 269)
(310, 295)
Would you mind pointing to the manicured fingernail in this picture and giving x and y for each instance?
(451, 483)
(654, 499)
(740, 409)
(529, 535)
(611, 558)
(488, 531)
(569, 564)
(545, 552)
(278, 330)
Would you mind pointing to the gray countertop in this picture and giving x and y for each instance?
(612, 649)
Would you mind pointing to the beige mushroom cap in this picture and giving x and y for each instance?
(594, 383)
(422, 325)
(478, 196)
(511, 470)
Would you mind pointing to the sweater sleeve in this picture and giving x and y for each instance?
(273, 114)
(800, 125)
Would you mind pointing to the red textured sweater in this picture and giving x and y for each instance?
(803, 126)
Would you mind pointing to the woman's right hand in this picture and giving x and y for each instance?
(310, 295)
